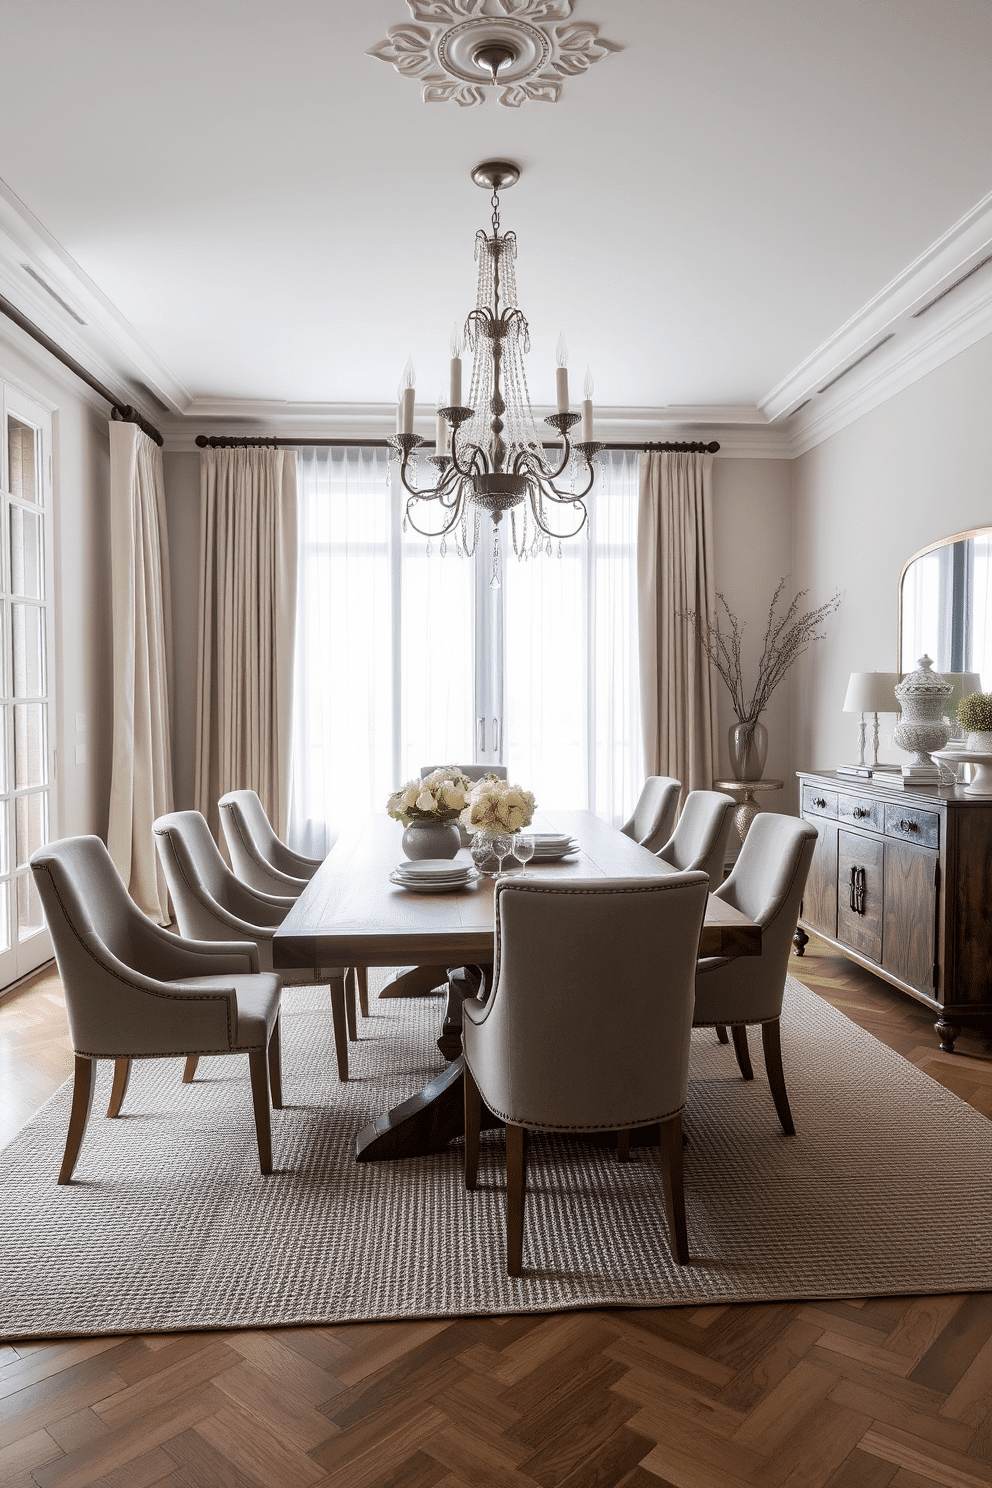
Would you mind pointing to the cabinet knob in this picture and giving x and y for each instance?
(909, 826)
(860, 813)
(819, 801)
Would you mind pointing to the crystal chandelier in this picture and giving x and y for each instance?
(489, 455)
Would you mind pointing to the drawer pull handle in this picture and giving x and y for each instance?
(860, 812)
(819, 801)
(909, 826)
(858, 890)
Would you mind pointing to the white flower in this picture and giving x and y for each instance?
(410, 794)
(425, 802)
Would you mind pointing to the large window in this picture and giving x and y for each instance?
(408, 657)
(26, 676)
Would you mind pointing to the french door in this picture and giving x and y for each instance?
(27, 725)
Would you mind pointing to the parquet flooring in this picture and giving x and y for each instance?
(858, 1394)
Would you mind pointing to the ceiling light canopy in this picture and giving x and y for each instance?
(459, 48)
(489, 454)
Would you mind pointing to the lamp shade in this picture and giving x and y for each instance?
(872, 692)
(964, 683)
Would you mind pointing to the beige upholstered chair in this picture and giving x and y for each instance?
(212, 903)
(545, 1053)
(134, 991)
(653, 820)
(700, 837)
(474, 772)
(258, 857)
(766, 884)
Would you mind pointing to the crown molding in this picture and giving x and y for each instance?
(87, 325)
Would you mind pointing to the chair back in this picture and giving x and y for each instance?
(589, 1020)
(767, 884)
(91, 918)
(653, 820)
(700, 837)
(473, 772)
(253, 846)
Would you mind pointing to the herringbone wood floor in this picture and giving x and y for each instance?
(858, 1394)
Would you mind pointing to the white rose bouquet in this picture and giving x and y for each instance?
(497, 807)
(440, 797)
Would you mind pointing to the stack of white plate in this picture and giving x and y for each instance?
(548, 846)
(433, 875)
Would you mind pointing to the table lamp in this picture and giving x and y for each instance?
(870, 692)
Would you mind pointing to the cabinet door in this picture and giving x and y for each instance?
(910, 914)
(819, 909)
(859, 893)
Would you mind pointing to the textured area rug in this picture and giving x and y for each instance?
(169, 1225)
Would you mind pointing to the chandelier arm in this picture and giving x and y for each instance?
(456, 511)
(527, 457)
(548, 531)
(429, 493)
(565, 498)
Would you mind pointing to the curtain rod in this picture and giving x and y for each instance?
(123, 413)
(233, 441)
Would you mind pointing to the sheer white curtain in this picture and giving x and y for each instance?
(573, 720)
(395, 646)
(384, 654)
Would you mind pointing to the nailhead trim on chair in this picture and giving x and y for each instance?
(259, 932)
(627, 1125)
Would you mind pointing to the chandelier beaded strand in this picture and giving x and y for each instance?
(497, 459)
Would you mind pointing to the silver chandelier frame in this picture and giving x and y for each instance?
(489, 473)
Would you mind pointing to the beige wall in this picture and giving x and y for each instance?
(182, 499)
(84, 681)
(916, 469)
(753, 537)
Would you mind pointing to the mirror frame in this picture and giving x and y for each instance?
(942, 542)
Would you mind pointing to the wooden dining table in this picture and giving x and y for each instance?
(350, 915)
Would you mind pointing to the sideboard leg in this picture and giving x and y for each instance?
(800, 940)
(948, 1033)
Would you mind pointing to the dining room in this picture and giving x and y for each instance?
(493, 985)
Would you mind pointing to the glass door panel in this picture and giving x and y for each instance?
(26, 735)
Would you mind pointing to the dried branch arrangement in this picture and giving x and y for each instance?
(786, 638)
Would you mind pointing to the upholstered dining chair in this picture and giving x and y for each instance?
(135, 991)
(653, 820)
(260, 858)
(212, 903)
(766, 883)
(541, 1053)
(700, 837)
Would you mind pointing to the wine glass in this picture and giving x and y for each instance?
(502, 843)
(523, 850)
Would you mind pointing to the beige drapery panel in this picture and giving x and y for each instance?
(247, 618)
(141, 779)
(675, 574)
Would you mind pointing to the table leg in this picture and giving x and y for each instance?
(340, 1019)
(415, 981)
(425, 1123)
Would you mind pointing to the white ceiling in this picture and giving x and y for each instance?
(278, 216)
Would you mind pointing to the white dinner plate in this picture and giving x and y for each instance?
(433, 868)
(548, 839)
(425, 886)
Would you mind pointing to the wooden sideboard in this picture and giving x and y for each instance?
(901, 881)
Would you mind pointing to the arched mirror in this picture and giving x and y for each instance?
(945, 606)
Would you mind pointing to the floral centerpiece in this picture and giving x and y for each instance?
(496, 807)
(429, 809)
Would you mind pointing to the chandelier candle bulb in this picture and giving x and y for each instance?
(587, 434)
(408, 398)
(441, 434)
(455, 384)
(561, 377)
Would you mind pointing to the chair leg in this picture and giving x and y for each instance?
(340, 1021)
(771, 1043)
(623, 1145)
(739, 1034)
(516, 1190)
(82, 1102)
(259, 1068)
(473, 1121)
(671, 1161)
(349, 1004)
(192, 1060)
(362, 973)
(122, 1073)
(275, 1065)
(721, 1033)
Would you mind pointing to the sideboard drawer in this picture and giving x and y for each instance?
(911, 824)
(819, 802)
(861, 811)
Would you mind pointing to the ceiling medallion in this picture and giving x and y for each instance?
(523, 48)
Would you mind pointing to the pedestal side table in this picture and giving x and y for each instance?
(745, 811)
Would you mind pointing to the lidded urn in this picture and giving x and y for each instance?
(923, 696)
